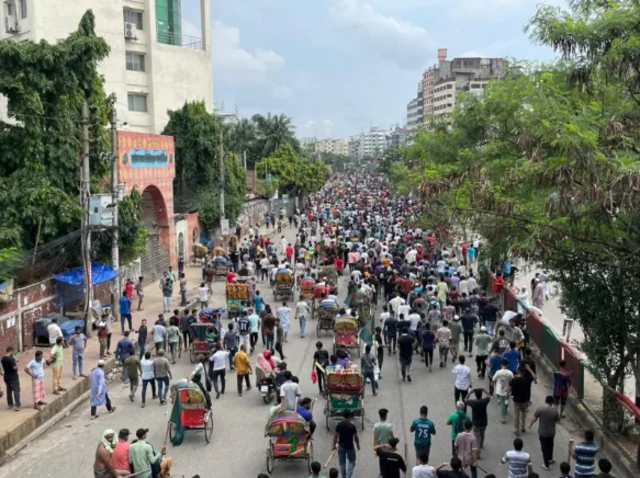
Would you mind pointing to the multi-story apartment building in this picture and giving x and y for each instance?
(415, 110)
(397, 137)
(372, 143)
(444, 81)
(152, 66)
(334, 146)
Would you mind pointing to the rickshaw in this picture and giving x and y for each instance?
(288, 435)
(306, 291)
(190, 412)
(331, 274)
(344, 393)
(198, 252)
(200, 346)
(346, 334)
(221, 265)
(326, 318)
(283, 286)
(237, 293)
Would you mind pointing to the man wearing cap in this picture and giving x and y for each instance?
(99, 395)
(142, 455)
(120, 455)
(456, 332)
(482, 342)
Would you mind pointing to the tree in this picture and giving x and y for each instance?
(274, 131)
(294, 174)
(547, 172)
(46, 86)
(197, 184)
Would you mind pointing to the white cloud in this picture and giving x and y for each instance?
(310, 124)
(398, 41)
(229, 55)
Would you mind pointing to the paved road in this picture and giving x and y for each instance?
(238, 445)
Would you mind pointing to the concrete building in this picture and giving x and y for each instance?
(415, 110)
(372, 143)
(443, 82)
(152, 66)
(334, 146)
(397, 137)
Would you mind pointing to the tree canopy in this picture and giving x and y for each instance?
(198, 182)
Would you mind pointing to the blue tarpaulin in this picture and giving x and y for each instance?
(99, 273)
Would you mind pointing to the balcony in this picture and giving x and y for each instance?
(176, 39)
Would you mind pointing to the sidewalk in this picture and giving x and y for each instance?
(15, 426)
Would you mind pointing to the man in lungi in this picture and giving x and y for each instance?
(35, 369)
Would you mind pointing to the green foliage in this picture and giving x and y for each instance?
(197, 185)
(46, 86)
(336, 162)
(295, 175)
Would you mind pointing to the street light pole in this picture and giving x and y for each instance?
(221, 163)
(115, 245)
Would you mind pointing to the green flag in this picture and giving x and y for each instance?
(366, 334)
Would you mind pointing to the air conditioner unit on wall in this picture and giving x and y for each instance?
(130, 31)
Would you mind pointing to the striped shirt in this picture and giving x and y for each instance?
(518, 461)
(585, 454)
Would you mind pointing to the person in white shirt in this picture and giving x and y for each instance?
(385, 314)
(473, 283)
(203, 295)
(54, 331)
(218, 369)
(411, 256)
(405, 310)
(289, 393)
(463, 380)
(414, 320)
(422, 470)
(463, 286)
(395, 304)
(355, 276)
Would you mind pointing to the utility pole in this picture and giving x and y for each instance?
(115, 244)
(221, 162)
(86, 228)
(244, 160)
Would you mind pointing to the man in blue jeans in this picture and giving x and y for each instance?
(344, 439)
(162, 373)
(125, 311)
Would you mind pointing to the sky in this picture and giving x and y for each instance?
(338, 67)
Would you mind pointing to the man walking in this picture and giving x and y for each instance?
(11, 379)
(148, 377)
(519, 460)
(244, 331)
(482, 342)
(133, 369)
(140, 291)
(368, 363)
(423, 429)
(217, 368)
(124, 350)
(457, 420)
(159, 334)
(443, 337)
(501, 381)
(467, 449)
(125, 311)
(547, 417)
(391, 462)
(479, 417)
(162, 373)
(79, 343)
(561, 385)
(35, 369)
(243, 368)
(302, 312)
(585, 455)
(382, 432)
(405, 345)
(463, 379)
(99, 392)
(166, 285)
(520, 390)
(345, 437)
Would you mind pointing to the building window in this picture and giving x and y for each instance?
(137, 102)
(135, 61)
(449, 86)
(11, 9)
(23, 8)
(133, 16)
(475, 86)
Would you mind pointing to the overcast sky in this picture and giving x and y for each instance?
(340, 66)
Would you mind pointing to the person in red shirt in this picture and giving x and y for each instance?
(128, 287)
(120, 456)
(230, 277)
(463, 250)
(289, 252)
(498, 284)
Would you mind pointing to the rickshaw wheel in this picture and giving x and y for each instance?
(363, 418)
(208, 427)
(172, 431)
(192, 354)
(309, 456)
(270, 460)
(326, 414)
(266, 398)
(318, 329)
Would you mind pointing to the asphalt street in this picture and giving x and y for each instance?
(238, 447)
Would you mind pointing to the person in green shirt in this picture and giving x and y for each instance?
(132, 366)
(174, 339)
(56, 362)
(456, 330)
(457, 420)
(142, 455)
(482, 343)
(382, 432)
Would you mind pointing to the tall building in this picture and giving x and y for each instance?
(152, 66)
(415, 110)
(444, 81)
(334, 146)
(397, 137)
(372, 143)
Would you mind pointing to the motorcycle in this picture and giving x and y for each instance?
(267, 389)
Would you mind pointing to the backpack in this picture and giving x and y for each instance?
(459, 423)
